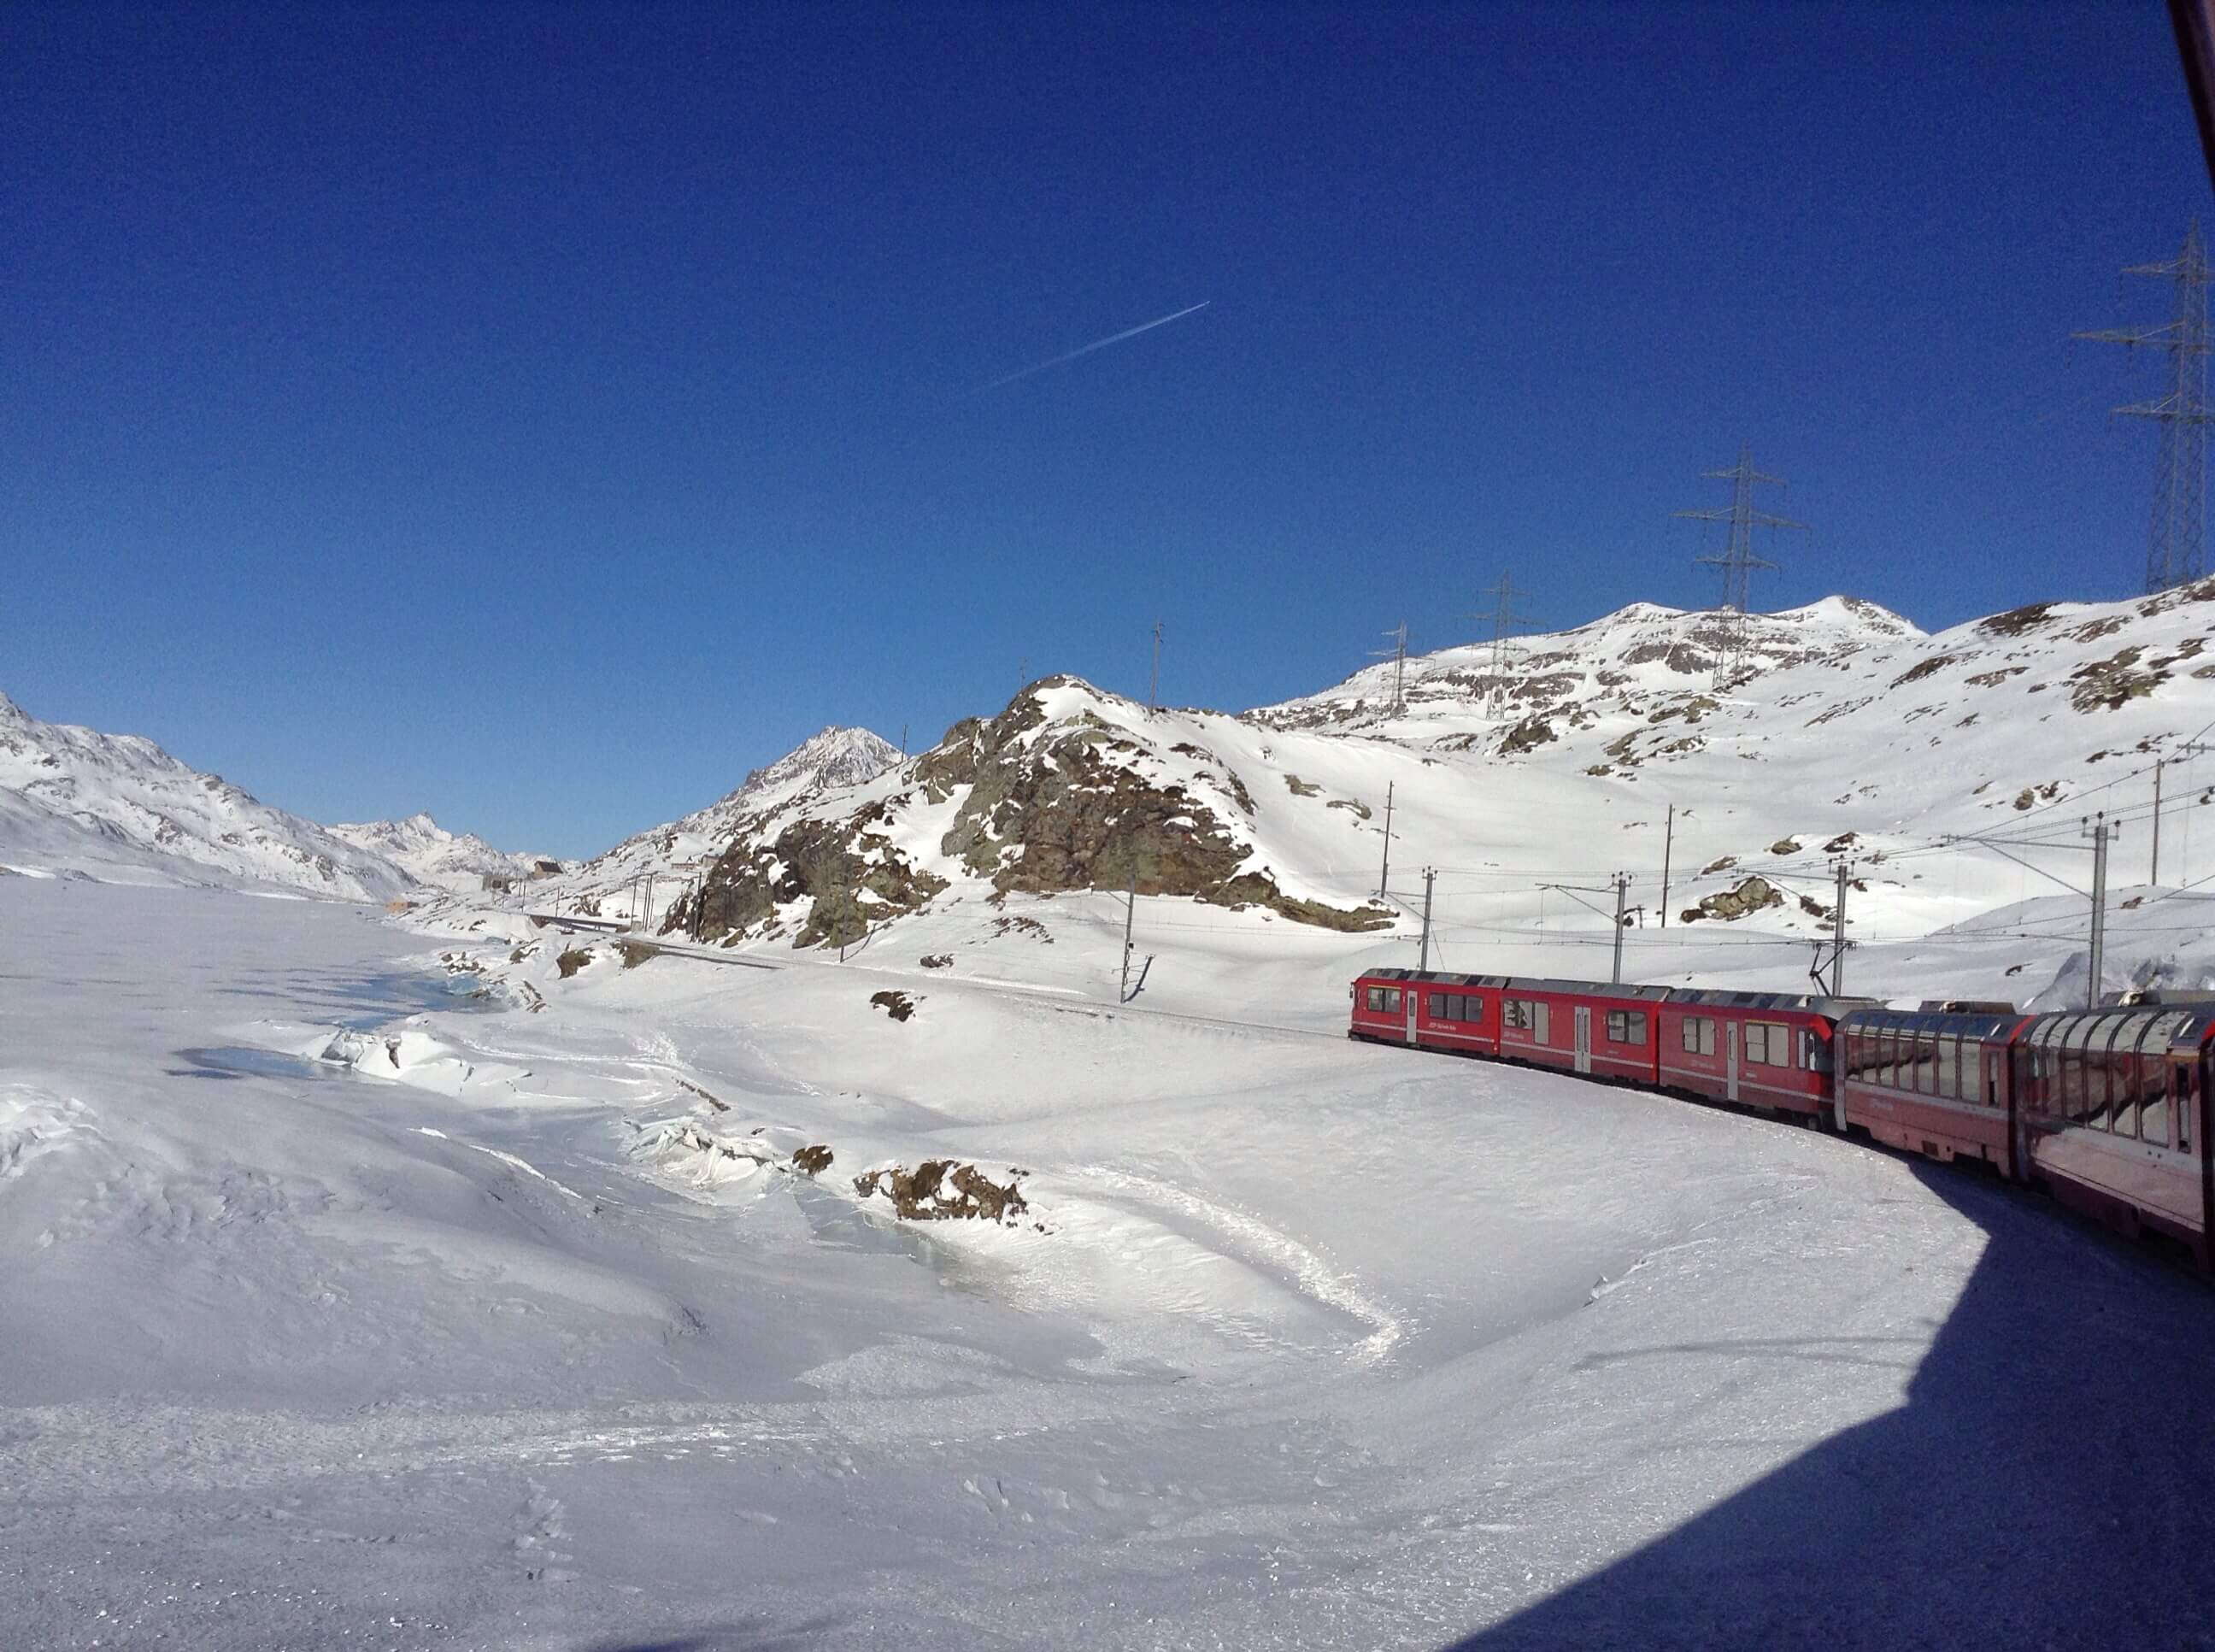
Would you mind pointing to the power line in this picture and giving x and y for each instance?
(2173, 546)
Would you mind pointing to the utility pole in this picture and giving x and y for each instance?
(2185, 753)
(1835, 987)
(1622, 893)
(1384, 872)
(2154, 877)
(1505, 622)
(903, 742)
(1397, 653)
(1668, 843)
(1738, 561)
(1023, 674)
(2101, 831)
(1838, 931)
(2173, 551)
(1430, 877)
(1154, 682)
(1130, 915)
(2098, 831)
(1619, 885)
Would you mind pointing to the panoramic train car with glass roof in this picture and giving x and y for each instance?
(1931, 1082)
(2112, 1114)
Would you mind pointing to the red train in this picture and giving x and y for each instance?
(2113, 1111)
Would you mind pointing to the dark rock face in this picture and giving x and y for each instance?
(1749, 895)
(1070, 810)
(850, 873)
(1048, 808)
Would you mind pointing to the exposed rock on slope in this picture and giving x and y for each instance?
(1660, 662)
(1067, 788)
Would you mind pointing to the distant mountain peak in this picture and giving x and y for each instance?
(118, 807)
(830, 760)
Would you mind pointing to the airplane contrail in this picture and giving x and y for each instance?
(1097, 344)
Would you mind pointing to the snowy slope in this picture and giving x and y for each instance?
(528, 1331)
(119, 808)
(1848, 734)
(433, 855)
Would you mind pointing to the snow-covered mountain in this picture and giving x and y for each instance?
(1643, 647)
(1844, 732)
(826, 763)
(119, 808)
(444, 860)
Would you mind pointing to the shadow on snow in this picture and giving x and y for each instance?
(2047, 1483)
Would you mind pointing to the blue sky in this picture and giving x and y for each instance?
(541, 416)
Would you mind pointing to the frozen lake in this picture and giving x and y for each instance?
(1299, 1344)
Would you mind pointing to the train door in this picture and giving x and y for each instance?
(1730, 1060)
(1584, 1039)
(2190, 1086)
(1409, 997)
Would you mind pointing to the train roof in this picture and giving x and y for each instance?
(1814, 1004)
(2122, 1029)
(1523, 983)
(1432, 978)
(1586, 989)
(1939, 1023)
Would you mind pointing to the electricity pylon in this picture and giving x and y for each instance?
(2173, 554)
(1737, 560)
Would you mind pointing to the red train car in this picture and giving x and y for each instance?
(1931, 1082)
(2112, 1113)
(1584, 1027)
(1770, 1050)
(1429, 1008)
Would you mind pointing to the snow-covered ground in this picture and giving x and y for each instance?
(515, 1325)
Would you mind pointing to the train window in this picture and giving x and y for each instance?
(1948, 1067)
(2153, 1099)
(1926, 1065)
(1516, 1013)
(1626, 1026)
(2149, 1103)
(1385, 1000)
(1542, 1015)
(1768, 1044)
(1438, 1010)
(1814, 1054)
(1698, 1034)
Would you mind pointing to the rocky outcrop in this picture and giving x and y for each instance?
(1070, 808)
(1041, 805)
(848, 870)
(1747, 896)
